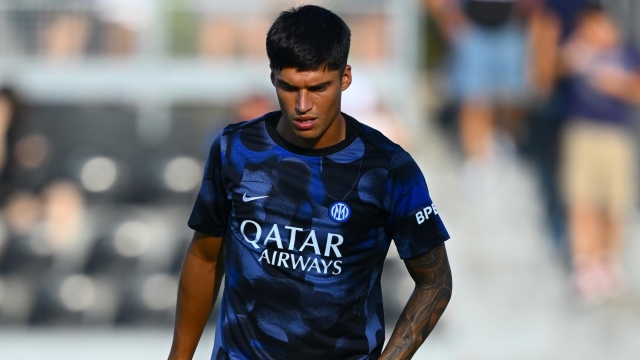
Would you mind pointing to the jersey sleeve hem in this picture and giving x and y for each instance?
(209, 230)
(433, 241)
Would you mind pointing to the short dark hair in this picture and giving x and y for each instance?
(591, 7)
(308, 38)
(591, 10)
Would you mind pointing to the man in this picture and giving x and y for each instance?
(599, 151)
(298, 208)
(488, 68)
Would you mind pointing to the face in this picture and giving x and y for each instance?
(600, 31)
(310, 104)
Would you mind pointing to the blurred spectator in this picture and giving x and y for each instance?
(65, 36)
(252, 107)
(22, 212)
(550, 26)
(232, 28)
(237, 28)
(30, 153)
(44, 227)
(488, 43)
(6, 118)
(9, 108)
(599, 150)
(126, 21)
(63, 214)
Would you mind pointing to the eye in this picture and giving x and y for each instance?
(287, 87)
(319, 89)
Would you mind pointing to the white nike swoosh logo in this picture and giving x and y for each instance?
(246, 198)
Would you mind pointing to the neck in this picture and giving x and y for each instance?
(335, 133)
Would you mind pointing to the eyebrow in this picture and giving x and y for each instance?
(312, 87)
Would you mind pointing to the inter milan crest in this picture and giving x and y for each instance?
(339, 212)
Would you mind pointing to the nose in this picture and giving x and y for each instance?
(303, 104)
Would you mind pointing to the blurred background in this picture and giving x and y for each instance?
(521, 113)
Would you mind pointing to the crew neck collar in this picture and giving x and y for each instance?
(271, 120)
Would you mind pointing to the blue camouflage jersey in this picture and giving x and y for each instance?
(305, 235)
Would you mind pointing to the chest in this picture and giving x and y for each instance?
(315, 206)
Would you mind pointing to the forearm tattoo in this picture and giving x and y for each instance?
(432, 275)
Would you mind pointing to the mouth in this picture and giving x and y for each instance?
(305, 122)
(305, 119)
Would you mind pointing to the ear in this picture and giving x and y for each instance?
(273, 78)
(346, 78)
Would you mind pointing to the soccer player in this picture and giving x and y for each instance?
(298, 208)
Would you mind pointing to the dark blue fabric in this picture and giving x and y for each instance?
(302, 283)
(588, 102)
(567, 12)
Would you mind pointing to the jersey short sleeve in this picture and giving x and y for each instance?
(211, 209)
(413, 222)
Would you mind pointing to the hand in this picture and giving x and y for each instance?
(578, 57)
(610, 80)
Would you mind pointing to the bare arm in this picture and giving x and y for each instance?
(622, 85)
(448, 15)
(544, 37)
(200, 280)
(611, 80)
(432, 275)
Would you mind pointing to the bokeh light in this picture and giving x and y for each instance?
(99, 174)
(158, 292)
(183, 174)
(132, 239)
(77, 292)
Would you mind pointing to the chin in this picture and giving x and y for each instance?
(307, 135)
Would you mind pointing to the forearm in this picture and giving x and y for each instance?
(544, 34)
(199, 284)
(625, 90)
(629, 90)
(424, 308)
